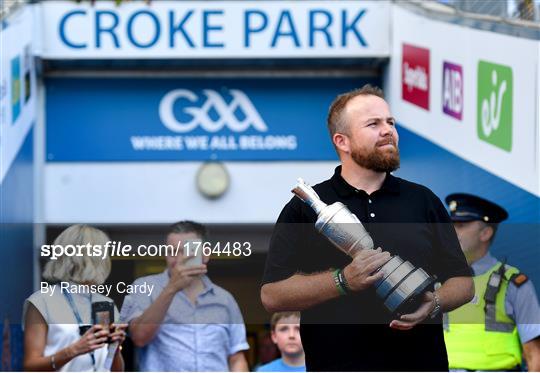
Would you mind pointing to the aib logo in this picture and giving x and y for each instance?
(213, 102)
(452, 94)
(494, 104)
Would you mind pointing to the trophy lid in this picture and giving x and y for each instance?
(307, 194)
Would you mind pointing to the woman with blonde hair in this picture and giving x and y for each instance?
(58, 335)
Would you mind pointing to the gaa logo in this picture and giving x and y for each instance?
(213, 103)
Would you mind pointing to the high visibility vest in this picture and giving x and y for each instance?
(479, 335)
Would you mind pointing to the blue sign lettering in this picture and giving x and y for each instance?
(157, 29)
(207, 28)
(110, 30)
(249, 28)
(62, 29)
(285, 27)
(317, 27)
(173, 29)
(313, 28)
(346, 28)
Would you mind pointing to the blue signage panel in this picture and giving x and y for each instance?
(171, 119)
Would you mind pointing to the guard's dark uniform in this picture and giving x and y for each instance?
(504, 313)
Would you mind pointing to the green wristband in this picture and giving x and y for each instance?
(340, 288)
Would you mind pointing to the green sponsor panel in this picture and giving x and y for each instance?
(494, 104)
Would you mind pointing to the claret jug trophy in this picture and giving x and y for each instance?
(402, 285)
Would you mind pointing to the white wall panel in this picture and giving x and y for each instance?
(162, 192)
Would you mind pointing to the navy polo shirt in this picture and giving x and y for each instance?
(351, 333)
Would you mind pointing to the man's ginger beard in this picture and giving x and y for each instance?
(378, 160)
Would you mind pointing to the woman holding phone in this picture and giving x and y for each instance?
(59, 331)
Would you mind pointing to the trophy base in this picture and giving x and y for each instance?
(402, 285)
(414, 300)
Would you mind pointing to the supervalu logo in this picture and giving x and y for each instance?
(415, 75)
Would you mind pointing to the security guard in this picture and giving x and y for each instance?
(502, 322)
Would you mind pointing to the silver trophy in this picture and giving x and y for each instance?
(402, 284)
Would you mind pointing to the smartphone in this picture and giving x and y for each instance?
(103, 314)
(83, 329)
(195, 249)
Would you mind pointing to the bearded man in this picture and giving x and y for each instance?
(344, 326)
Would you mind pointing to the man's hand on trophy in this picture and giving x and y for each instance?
(360, 273)
(408, 321)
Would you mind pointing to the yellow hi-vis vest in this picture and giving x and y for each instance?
(480, 338)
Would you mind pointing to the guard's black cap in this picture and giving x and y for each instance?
(466, 207)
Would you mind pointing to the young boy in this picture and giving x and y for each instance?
(286, 335)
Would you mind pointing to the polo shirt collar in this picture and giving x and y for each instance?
(208, 284)
(344, 189)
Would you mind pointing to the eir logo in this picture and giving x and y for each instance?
(200, 115)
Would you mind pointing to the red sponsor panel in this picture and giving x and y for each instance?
(415, 75)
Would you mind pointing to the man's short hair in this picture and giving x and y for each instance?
(281, 315)
(335, 121)
(188, 226)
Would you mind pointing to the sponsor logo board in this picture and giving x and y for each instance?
(494, 104)
(415, 75)
(452, 90)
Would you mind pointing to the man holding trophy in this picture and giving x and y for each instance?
(365, 308)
